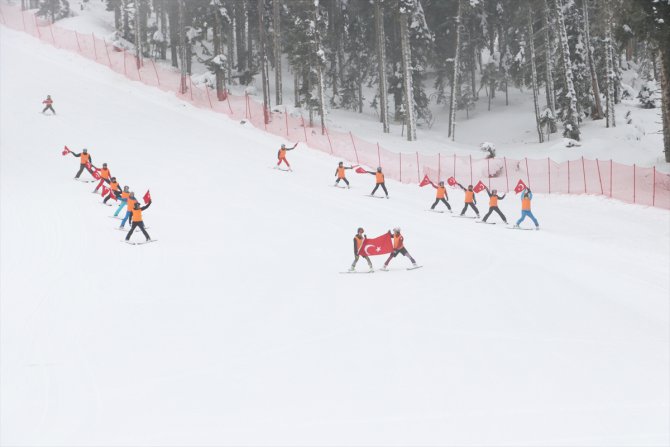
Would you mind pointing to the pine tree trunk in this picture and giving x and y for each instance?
(296, 87)
(263, 62)
(117, 16)
(241, 39)
(549, 69)
(611, 120)
(408, 88)
(533, 70)
(138, 34)
(571, 122)
(381, 65)
(320, 62)
(182, 46)
(163, 16)
(250, 41)
(126, 19)
(597, 109)
(144, 16)
(665, 99)
(173, 16)
(276, 23)
(454, 81)
(232, 42)
(217, 32)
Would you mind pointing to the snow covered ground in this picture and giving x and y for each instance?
(236, 328)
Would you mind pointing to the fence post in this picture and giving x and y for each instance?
(109, 59)
(52, 35)
(354, 145)
(329, 143)
(600, 178)
(454, 166)
(303, 127)
(471, 169)
(527, 172)
(190, 85)
(506, 174)
(95, 50)
(549, 173)
(418, 175)
(568, 176)
(23, 19)
(249, 106)
(76, 36)
(439, 166)
(155, 71)
(653, 193)
(125, 73)
(400, 158)
(379, 157)
(488, 170)
(584, 172)
(208, 99)
(633, 182)
(286, 119)
(39, 35)
(611, 178)
(229, 106)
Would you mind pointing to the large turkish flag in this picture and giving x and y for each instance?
(378, 246)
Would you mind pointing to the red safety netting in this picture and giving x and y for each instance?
(630, 184)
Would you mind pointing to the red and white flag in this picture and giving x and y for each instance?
(451, 181)
(105, 190)
(425, 181)
(361, 170)
(96, 174)
(520, 187)
(147, 197)
(66, 150)
(479, 187)
(378, 246)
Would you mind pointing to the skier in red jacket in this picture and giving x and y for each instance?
(48, 103)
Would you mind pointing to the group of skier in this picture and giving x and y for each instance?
(111, 189)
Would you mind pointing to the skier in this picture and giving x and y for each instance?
(526, 197)
(441, 195)
(339, 173)
(493, 204)
(84, 162)
(48, 103)
(104, 175)
(379, 181)
(470, 199)
(137, 220)
(358, 242)
(398, 247)
(131, 201)
(124, 200)
(281, 155)
(114, 188)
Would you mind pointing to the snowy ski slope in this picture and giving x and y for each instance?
(236, 328)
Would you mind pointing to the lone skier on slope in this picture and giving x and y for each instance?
(440, 195)
(358, 242)
(137, 220)
(281, 155)
(493, 204)
(48, 103)
(398, 248)
(526, 197)
(340, 174)
(84, 162)
(470, 199)
(379, 181)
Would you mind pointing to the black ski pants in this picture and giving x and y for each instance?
(111, 195)
(49, 108)
(497, 210)
(403, 251)
(465, 208)
(377, 187)
(357, 257)
(81, 169)
(438, 201)
(135, 225)
(343, 179)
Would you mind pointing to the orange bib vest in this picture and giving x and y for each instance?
(379, 177)
(340, 172)
(84, 158)
(441, 192)
(282, 153)
(114, 186)
(104, 173)
(131, 203)
(359, 242)
(469, 196)
(397, 242)
(125, 195)
(525, 204)
(493, 201)
(137, 215)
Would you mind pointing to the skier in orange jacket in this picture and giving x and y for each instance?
(379, 181)
(470, 199)
(398, 248)
(84, 162)
(281, 155)
(137, 220)
(340, 174)
(358, 242)
(440, 195)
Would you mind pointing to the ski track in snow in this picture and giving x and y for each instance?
(237, 328)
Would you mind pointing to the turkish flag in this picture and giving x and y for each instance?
(96, 174)
(361, 171)
(479, 187)
(520, 187)
(105, 190)
(147, 197)
(451, 181)
(425, 181)
(378, 246)
(66, 150)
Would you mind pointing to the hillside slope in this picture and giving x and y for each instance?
(236, 328)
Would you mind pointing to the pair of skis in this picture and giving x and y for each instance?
(383, 270)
